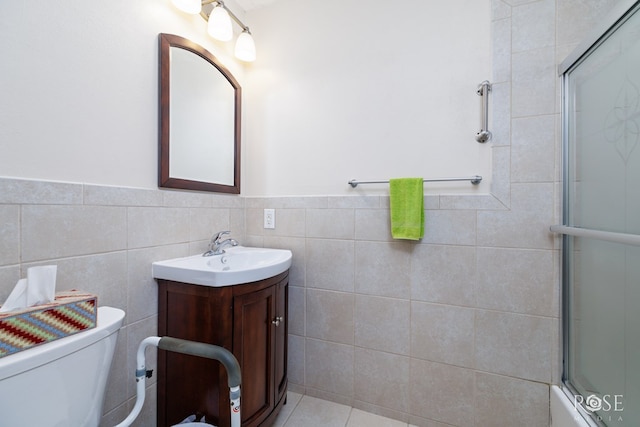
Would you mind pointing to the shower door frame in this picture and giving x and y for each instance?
(599, 34)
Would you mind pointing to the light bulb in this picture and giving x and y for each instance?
(245, 47)
(219, 26)
(188, 6)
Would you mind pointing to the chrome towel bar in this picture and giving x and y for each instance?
(475, 180)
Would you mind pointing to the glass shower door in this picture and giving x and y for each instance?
(602, 215)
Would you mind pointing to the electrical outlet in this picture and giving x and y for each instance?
(269, 218)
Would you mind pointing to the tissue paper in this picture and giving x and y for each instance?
(38, 288)
(41, 284)
(17, 298)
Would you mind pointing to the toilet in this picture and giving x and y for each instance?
(61, 383)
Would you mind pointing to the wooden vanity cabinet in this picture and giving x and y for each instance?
(250, 320)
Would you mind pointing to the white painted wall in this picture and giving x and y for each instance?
(348, 89)
(336, 92)
(79, 87)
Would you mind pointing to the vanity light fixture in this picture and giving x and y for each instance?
(219, 25)
(245, 47)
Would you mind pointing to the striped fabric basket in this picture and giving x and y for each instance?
(71, 312)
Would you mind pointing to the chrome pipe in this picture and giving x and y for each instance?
(483, 134)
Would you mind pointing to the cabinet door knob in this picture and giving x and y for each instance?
(277, 320)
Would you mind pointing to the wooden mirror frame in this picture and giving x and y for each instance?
(167, 41)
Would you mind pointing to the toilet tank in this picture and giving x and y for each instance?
(61, 383)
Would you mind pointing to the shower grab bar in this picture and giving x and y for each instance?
(475, 180)
(483, 134)
(609, 236)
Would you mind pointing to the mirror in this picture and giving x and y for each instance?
(199, 119)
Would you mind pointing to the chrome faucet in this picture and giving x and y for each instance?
(217, 245)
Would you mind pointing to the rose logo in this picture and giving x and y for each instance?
(593, 403)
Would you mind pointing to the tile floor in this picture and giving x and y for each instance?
(307, 411)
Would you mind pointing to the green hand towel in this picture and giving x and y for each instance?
(407, 208)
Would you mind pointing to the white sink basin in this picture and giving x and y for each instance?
(238, 265)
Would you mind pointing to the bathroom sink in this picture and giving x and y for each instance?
(237, 265)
